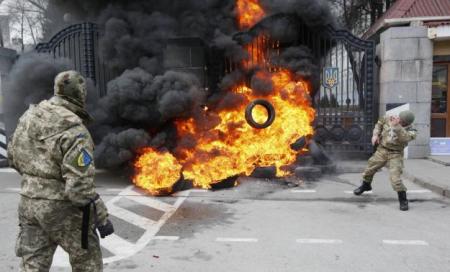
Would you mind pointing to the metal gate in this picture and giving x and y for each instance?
(80, 44)
(344, 103)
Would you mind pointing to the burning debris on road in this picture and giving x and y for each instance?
(170, 125)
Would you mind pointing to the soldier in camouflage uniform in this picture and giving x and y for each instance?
(392, 135)
(52, 150)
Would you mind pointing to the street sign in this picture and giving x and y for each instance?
(440, 146)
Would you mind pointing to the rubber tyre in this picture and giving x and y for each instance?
(270, 111)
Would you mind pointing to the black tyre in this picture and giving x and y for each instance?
(270, 111)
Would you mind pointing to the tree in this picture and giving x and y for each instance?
(27, 18)
(359, 15)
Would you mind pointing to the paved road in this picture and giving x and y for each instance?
(261, 226)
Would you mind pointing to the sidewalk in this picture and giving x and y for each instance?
(432, 173)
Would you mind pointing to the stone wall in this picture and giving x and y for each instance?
(406, 56)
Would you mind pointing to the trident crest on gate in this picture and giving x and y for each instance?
(330, 77)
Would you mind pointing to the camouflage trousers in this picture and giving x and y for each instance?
(46, 224)
(394, 161)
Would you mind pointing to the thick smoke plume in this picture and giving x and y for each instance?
(146, 98)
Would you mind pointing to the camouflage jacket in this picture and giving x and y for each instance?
(53, 151)
(394, 137)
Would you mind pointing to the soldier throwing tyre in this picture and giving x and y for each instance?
(53, 151)
(392, 135)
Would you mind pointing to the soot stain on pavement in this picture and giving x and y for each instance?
(197, 255)
(193, 217)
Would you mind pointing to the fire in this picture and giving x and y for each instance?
(158, 171)
(249, 13)
(232, 147)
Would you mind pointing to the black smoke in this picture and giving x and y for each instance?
(145, 99)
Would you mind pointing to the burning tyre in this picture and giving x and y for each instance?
(270, 113)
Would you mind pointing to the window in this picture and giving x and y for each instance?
(439, 101)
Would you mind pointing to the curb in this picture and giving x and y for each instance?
(438, 161)
(445, 192)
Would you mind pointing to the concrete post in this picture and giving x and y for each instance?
(406, 56)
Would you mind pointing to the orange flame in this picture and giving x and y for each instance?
(232, 147)
(249, 13)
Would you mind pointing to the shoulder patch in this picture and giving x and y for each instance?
(84, 159)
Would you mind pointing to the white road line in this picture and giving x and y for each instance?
(7, 170)
(319, 241)
(405, 242)
(152, 202)
(166, 238)
(303, 191)
(115, 189)
(199, 191)
(118, 246)
(3, 152)
(418, 191)
(2, 138)
(243, 240)
(13, 189)
(365, 193)
(130, 217)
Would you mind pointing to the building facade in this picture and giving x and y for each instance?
(413, 56)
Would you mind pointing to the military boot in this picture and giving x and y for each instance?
(403, 201)
(365, 186)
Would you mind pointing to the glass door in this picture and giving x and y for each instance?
(440, 126)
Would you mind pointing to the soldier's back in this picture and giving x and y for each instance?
(35, 148)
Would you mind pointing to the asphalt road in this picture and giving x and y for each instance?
(261, 226)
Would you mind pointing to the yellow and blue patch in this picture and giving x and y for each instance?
(84, 159)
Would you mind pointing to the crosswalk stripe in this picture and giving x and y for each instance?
(148, 201)
(130, 217)
(3, 152)
(117, 245)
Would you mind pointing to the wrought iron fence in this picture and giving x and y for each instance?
(80, 44)
(345, 109)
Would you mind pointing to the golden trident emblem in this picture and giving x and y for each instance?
(330, 77)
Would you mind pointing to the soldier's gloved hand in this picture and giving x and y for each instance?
(102, 211)
(106, 229)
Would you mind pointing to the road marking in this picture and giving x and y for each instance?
(166, 238)
(114, 189)
(418, 191)
(199, 191)
(365, 193)
(319, 241)
(13, 189)
(303, 191)
(7, 170)
(243, 240)
(117, 245)
(406, 242)
(151, 201)
(130, 217)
